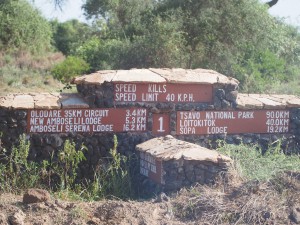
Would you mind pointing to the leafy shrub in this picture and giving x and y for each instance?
(258, 69)
(103, 54)
(59, 173)
(23, 27)
(114, 177)
(118, 174)
(68, 161)
(16, 172)
(252, 164)
(68, 69)
(69, 35)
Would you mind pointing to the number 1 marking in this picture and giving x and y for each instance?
(161, 123)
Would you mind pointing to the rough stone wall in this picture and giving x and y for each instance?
(225, 97)
(44, 146)
(98, 96)
(98, 92)
(295, 126)
(183, 173)
(13, 124)
(102, 96)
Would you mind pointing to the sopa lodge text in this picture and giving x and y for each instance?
(232, 122)
(86, 120)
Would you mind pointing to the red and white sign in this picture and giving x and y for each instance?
(151, 167)
(161, 124)
(87, 120)
(162, 92)
(232, 122)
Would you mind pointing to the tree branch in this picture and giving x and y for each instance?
(272, 3)
(58, 4)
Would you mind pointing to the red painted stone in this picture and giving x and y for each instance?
(151, 167)
(232, 122)
(162, 92)
(87, 120)
(161, 124)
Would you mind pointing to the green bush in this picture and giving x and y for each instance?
(23, 27)
(103, 54)
(252, 164)
(118, 180)
(17, 173)
(260, 69)
(71, 67)
(69, 35)
(113, 178)
(69, 160)
(59, 173)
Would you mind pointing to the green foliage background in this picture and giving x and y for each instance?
(71, 67)
(22, 27)
(238, 38)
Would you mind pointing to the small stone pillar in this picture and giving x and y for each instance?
(173, 163)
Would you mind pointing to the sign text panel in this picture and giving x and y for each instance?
(232, 122)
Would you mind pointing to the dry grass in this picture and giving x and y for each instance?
(23, 72)
(239, 202)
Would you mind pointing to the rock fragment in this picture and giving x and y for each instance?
(17, 218)
(35, 196)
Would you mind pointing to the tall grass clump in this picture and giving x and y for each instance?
(68, 162)
(113, 178)
(251, 163)
(59, 174)
(118, 174)
(16, 171)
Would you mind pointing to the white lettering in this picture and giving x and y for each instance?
(125, 97)
(217, 130)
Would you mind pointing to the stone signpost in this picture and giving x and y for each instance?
(233, 122)
(87, 120)
(199, 106)
(157, 92)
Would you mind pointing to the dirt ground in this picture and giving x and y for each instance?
(101, 212)
(274, 202)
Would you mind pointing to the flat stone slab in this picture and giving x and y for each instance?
(42, 101)
(72, 101)
(281, 98)
(138, 75)
(23, 102)
(293, 102)
(244, 101)
(96, 78)
(169, 148)
(264, 101)
(153, 75)
(46, 101)
(6, 101)
(197, 76)
(268, 102)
